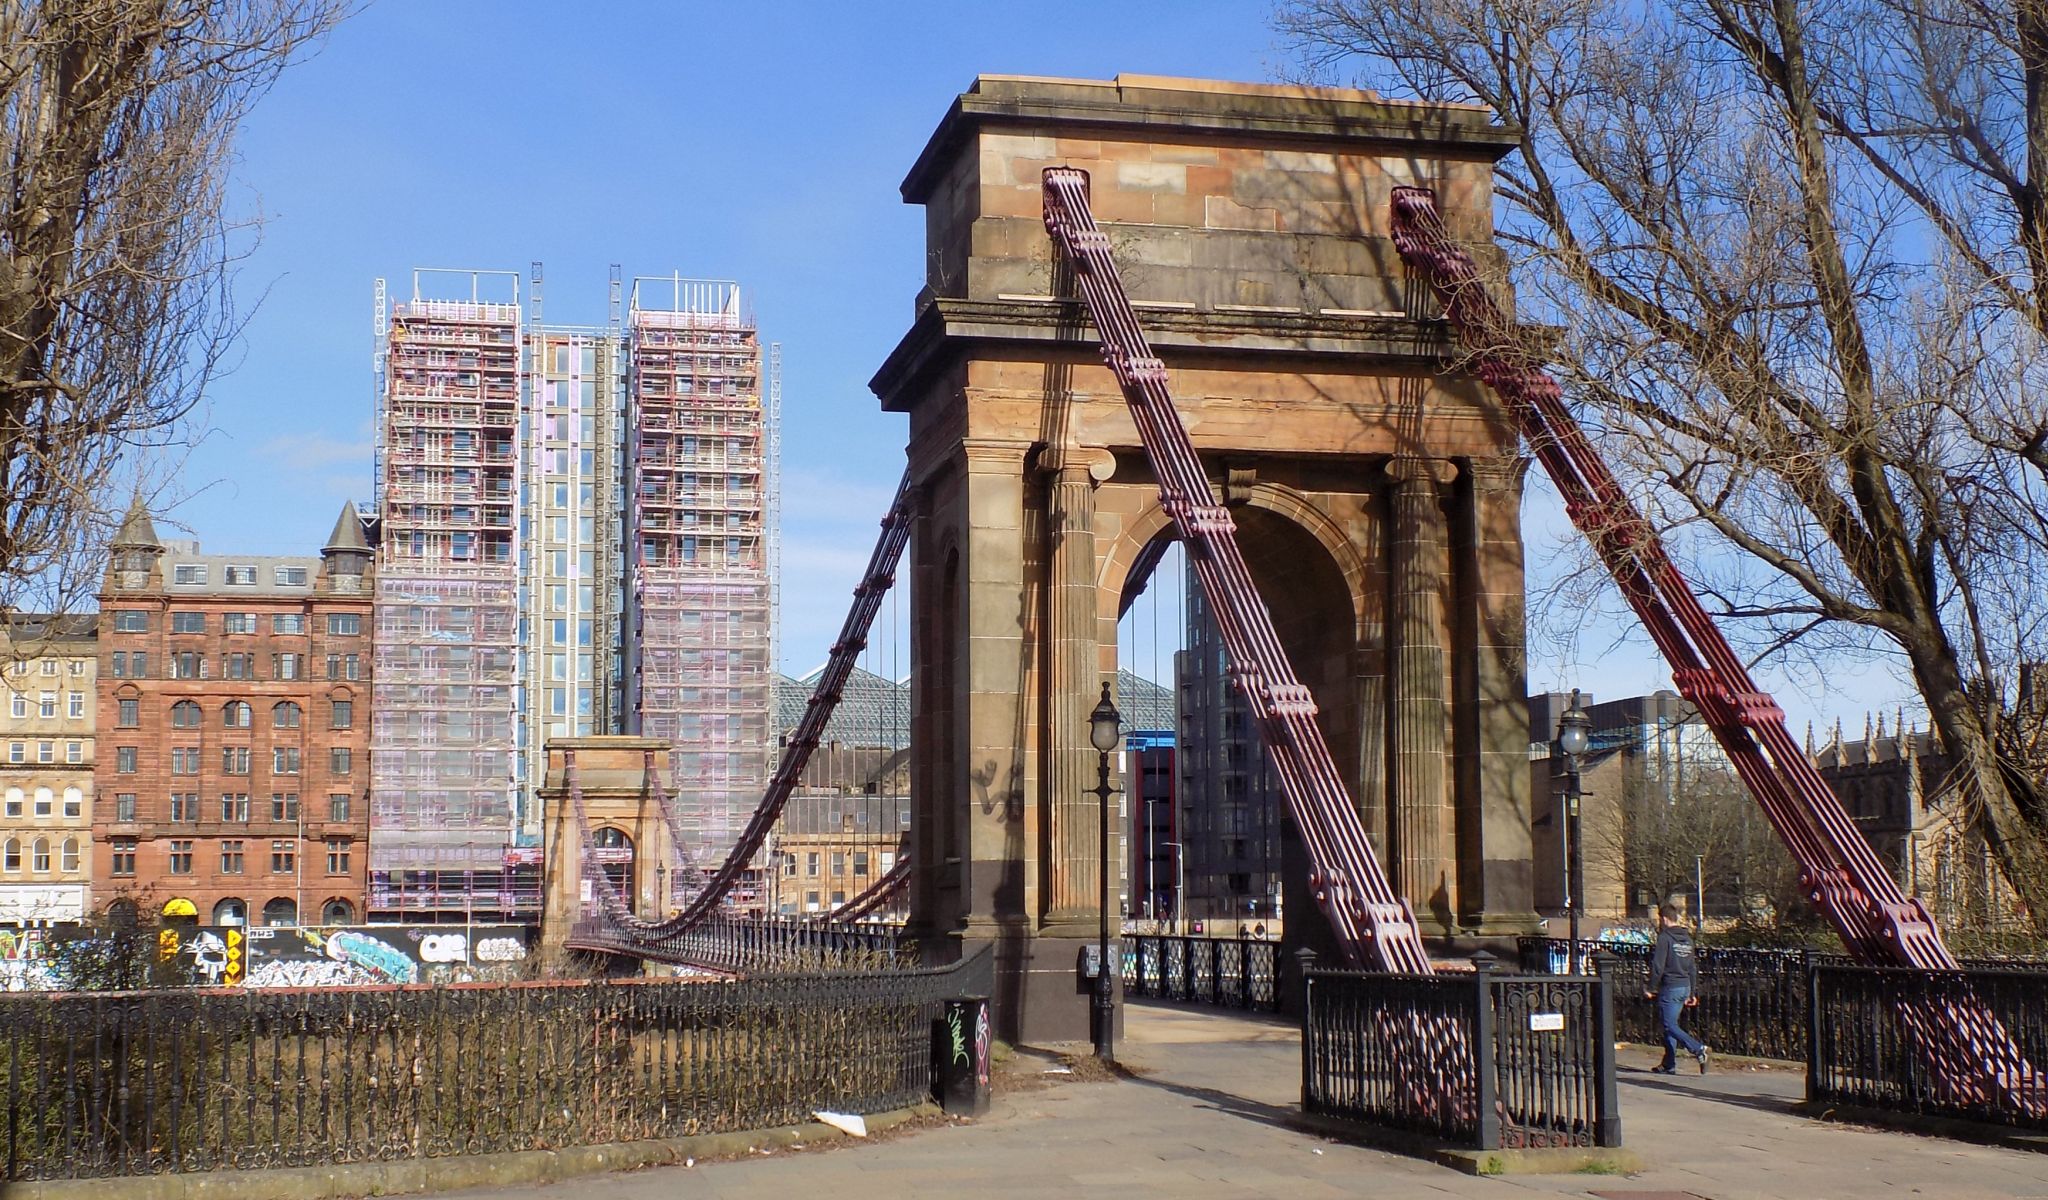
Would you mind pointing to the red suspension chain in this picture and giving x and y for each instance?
(1375, 925)
(1969, 1050)
(1877, 922)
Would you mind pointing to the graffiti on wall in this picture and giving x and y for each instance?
(364, 955)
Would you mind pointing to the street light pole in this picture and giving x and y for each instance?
(1574, 735)
(1104, 729)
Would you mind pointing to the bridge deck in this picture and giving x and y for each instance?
(1206, 1119)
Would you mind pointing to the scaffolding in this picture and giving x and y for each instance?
(444, 779)
(699, 615)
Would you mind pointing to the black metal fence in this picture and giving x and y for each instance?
(1871, 1029)
(1751, 1001)
(140, 1083)
(1230, 972)
(1481, 1060)
(757, 944)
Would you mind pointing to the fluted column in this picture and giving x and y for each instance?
(1419, 712)
(1072, 687)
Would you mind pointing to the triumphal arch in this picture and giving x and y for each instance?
(1376, 489)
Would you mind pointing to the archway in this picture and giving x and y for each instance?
(231, 912)
(615, 856)
(281, 912)
(337, 911)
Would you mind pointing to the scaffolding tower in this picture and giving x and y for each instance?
(698, 620)
(444, 776)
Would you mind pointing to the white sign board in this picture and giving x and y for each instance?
(1546, 1022)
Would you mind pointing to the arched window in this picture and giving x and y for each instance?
(70, 859)
(231, 912)
(40, 863)
(185, 714)
(280, 912)
(235, 714)
(45, 801)
(284, 715)
(74, 802)
(15, 800)
(337, 912)
(10, 855)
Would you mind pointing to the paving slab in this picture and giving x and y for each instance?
(1207, 1115)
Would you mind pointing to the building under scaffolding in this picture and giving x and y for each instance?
(444, 775)
(698, 648)
(557, 561)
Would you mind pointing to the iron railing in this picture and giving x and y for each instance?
(1868, 1040)
(1752, 1001)
(1228, 972)
(1481, 1060)
(722, 943)
(142, 1083)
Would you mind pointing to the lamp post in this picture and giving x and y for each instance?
(660, 890)
(1574, 735)
(1104, 730)
(1180, 851)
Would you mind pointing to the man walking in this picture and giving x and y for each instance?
(1674, 985)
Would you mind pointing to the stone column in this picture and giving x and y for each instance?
(1073, 685)
(1420, 724)
(1370, 671)
(1506, 899)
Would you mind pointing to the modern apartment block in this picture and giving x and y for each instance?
(232, 692)
(47, 668)
(574, 540)
(1232, 810)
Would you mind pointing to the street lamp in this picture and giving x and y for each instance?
(1574, 735)
(660, 890)
(1104, 730)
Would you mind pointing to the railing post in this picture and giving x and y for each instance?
(1305, 961)
(1244, 971)
(1482, 1052)
(1606, 1101)
(1813, 1068)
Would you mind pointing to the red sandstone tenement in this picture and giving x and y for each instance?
(234, 720)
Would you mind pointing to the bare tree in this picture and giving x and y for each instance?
(1796, 258)
(116, 248)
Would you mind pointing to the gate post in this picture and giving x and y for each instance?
(1606, 1102)
(1482, 1053)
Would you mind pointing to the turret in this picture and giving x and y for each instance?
(134, 552)
(346, 556)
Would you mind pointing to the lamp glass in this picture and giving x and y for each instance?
(1104, 724)
(1572, 731)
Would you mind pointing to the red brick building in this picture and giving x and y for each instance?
(233, 695)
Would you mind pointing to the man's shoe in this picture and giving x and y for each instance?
(1670, 1070)
(1703, 1059)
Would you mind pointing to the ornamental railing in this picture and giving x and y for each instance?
(752, 945)
(1228, 972)
(1860, 1023)
(1751, 1001)
(144, 1083)
(1479, 1060)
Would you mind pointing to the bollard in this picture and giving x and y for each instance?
(960, 1057)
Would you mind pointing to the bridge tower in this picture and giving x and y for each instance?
(1376, 490)
(633, 840)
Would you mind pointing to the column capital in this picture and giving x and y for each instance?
(1007, 453)
(1411, 468)
(1077, 464)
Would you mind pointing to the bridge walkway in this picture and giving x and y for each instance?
(1206, 1116)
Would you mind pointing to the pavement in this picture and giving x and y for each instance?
(1206, 1115)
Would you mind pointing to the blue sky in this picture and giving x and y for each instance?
(758, 142)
